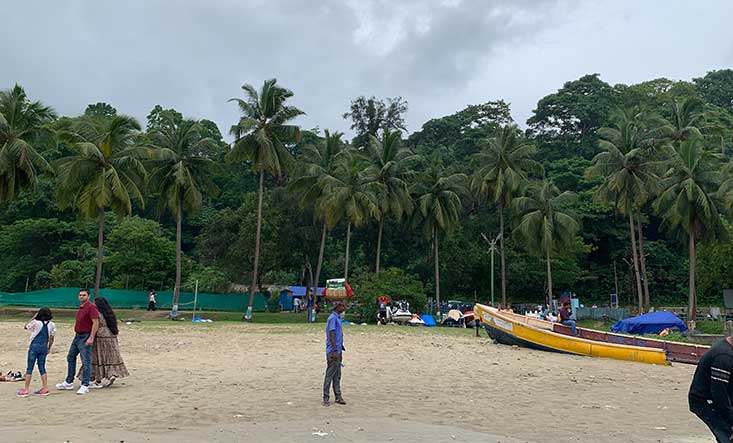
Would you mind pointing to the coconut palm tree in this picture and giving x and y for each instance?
(629, 167)
(503, 167)
(105, 171)
(686, 119)
(317, 164)
(351, 195)
(438, 207)
(261, 136)
(544, 226)
(181, 170)
(390, 167)
(23, 128)
(689, 202)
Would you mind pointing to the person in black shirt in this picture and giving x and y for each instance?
(711, 391)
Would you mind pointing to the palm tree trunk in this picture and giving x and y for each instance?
(549, 279)
(253, 288)
(501, 253)
(100, 253)
(379, 242)
(635, 259)
(320, 256)
(722, 145)
(642, 260)
(692, 301)
(346, 259)
(437, 270)
(177, 285)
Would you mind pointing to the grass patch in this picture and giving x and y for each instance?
(142, 319)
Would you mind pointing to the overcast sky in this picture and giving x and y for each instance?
(439, 55)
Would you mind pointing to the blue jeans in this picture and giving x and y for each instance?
(571, 323)
(37, 353)
(79, 347)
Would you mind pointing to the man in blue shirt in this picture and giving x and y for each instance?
(334, 346)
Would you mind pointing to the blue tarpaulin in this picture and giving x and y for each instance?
(428, 319)
(299, 291)
(651, 323)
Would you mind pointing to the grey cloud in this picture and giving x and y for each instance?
(193, 55)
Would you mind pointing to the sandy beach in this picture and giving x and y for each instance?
(251, 382)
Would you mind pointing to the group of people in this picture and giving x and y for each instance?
(95, 341)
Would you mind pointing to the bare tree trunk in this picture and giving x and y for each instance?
(501, 252)
(692, 301)
(437, 270)
(177, 284)
(642, 260)
(346, 259)
(100, 253)
(253, 288)
(320, 255)
(379, 242)
(635, 259)
(549, 279)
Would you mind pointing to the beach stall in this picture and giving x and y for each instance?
(291, 293)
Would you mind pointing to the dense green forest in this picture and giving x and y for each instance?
(626, 185)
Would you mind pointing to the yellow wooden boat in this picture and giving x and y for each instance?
(510, 329)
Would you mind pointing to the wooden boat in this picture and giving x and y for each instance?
(676, 352)
(512, 329)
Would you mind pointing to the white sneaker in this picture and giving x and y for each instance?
(83, 390)
(96, 385)
(65, 386)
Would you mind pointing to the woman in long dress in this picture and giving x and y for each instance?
(107, 363)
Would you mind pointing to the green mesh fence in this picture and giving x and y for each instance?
(119, 298)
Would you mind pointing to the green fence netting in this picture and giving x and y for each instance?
(120, 298)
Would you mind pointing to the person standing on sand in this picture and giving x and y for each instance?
(711, 393)
(334, 347)
(85, 327)
(151, 300)
(107, 363)
(43, 331)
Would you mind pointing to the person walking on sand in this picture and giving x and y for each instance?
(107, 363)
(151, 300)
(85, 328)
(334, 347)
(711, 393)
(43, 331)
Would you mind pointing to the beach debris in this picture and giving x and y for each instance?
(238, 416)
(320, 434)
(660, 428)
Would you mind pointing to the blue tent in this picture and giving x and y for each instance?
(651, 323)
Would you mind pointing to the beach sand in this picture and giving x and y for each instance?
(251, 382)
